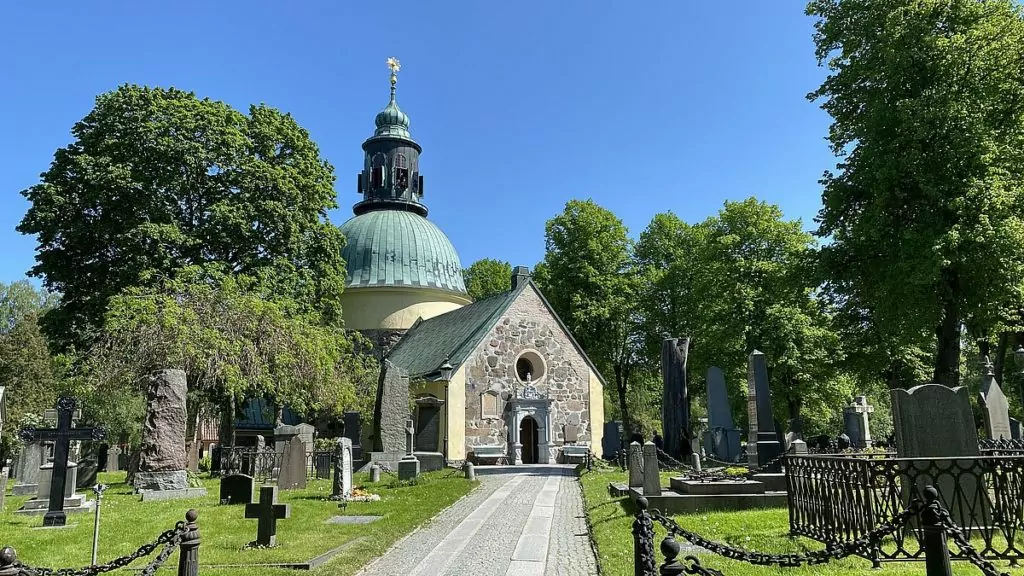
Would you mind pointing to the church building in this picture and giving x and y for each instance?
(497, 379)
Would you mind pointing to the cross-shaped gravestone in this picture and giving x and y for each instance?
(267, 511)
(410, 430)
(61, 436)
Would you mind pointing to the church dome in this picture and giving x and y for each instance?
(399, 249)
(391, 121)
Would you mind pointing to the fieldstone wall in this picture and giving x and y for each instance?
(527, 325)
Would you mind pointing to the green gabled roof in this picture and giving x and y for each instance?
(453, 335)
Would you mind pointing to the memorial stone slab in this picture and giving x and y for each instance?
(652, 475)
(3, 486)
(428, 424)
(3, 410)
(856, 422)
(113, 459)
(353, 430)
(162, 459)
(88, 465)
(268, 512)
(719, 410)
(292, 475)
(237, 489)
(342, 488)
(636, 465)
(763, 444)
(1015, 429)
(307, 433)
(995, 408)
(611, 442)
(30, 460)
(392, 409)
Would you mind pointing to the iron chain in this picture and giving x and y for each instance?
(964, 544)
(170, 539)
(695, 567)
(832, 551)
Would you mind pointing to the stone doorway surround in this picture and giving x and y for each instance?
(527, 402)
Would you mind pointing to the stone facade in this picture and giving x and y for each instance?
(564, 376)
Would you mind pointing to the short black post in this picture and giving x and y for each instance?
(671, 566)
(188, 550)
(590, 463)
(936, 549)
(643, 541)
(9, 562)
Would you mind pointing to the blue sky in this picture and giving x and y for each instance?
(520, 106)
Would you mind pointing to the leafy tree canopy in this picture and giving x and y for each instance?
(19, 299)
(158, 181)
(488, 277)
(925, 211)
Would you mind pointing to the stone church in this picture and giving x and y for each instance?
(499, 379)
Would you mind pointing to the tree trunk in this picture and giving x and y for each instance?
(999, 362)
(192, 439)
(947, 357)
(227, 423)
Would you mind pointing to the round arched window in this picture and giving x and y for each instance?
(530, 366)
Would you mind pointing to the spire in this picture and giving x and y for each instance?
(391, 121)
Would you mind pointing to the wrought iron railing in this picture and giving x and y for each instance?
(836, 498)
(264, 464)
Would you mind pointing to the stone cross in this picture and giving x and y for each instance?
(268, 512)
(410, 430)
(994, 405)
(61, 436)
(857, 423)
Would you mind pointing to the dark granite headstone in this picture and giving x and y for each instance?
(293, 465)
(353, 430)
(719, 410)
(763, 444)
(611, 441)
(237, 489)
(88, 465)
(268, 512)
(1015, 429)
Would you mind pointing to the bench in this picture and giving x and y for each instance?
(570, 451)
(496, 453)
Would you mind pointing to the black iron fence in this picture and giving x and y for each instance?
(925, 515)
(264, 464)
(837, 498)
(184, 537)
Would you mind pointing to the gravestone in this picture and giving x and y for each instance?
(268, 512)
(237, 489)
(856, 422)
(353, 430)
(1015, 430)
(3, 412)
(307, 433)
(88, 464)
(292, 475)
(935, 421)
(719, 410)
(636, 465)
(798, 448)
(113, 463)
(675, 401)
(611, 441)
(58, 481)
(408, 466)
(26, 472)
(391, 411)
(428, 424)
(342, 488)
(4, 473)
(995, 408)
(763, 444)
(722, 444)
(652, 476)
(162, 459)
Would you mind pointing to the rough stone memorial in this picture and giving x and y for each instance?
(722, 438)
(763, 444)
(390, 414)
(342, 488)
(675, 400)
(162, 461)
(59, 487)
(268, 512)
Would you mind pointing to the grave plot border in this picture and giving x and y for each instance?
(837, 498)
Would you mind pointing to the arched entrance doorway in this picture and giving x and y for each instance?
(528, 438)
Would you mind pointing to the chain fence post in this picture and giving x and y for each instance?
(643, 540)
(936, 549)
(672, 566)
(188, 550)
(9, 562)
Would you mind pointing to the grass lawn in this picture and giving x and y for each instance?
(767, 530)
(127, 523)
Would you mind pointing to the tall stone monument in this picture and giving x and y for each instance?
(763, 444)
(675, 400)
(856, 423)
(389, 416)
(722, 438)
(162, 460)
(995, 408)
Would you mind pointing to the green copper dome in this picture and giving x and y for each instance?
(396, 248)
(391, 121)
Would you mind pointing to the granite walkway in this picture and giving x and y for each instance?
(521, 521)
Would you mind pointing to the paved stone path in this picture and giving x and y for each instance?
(521, 521)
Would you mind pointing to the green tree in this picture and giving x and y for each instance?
(158, 181)
(19, 299)
(925, 210)
(488, 277)
(589, 279)
(28, 374)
